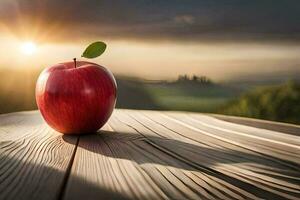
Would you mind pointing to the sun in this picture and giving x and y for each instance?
(28, 48)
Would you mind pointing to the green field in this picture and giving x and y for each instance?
(190, 103)
(190, 96)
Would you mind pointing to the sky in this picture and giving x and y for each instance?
(157, 39)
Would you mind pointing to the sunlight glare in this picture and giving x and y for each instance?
(28, 48)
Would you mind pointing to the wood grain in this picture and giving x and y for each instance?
(169, 155)
(264, 124)
(149, 155)
(33, 158)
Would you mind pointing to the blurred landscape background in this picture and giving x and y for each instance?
(235, 58)
(272, 100)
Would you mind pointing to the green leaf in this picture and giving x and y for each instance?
(94, 50)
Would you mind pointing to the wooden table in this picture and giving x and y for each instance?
(148, 155)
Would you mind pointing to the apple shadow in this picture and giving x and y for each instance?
(28, 180)
(149, 149)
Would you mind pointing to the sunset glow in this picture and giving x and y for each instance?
(28, 48)
(157, 46)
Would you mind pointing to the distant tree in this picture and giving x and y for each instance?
(278, 103)
(204, 80)
(184, 77)
(194, 78)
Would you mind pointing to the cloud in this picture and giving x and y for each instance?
(153, 19)
(184, 19)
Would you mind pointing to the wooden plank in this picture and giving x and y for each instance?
(275, 135)
(33, 158)
(168, 155)
(263, 124)
(279, 149)
(223, 157)
(147, 155)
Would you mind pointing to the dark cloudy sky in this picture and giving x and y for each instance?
(164, 19)
(211, 37)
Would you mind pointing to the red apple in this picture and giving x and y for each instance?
(76, 99)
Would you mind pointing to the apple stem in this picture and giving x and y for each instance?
(74, 62)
